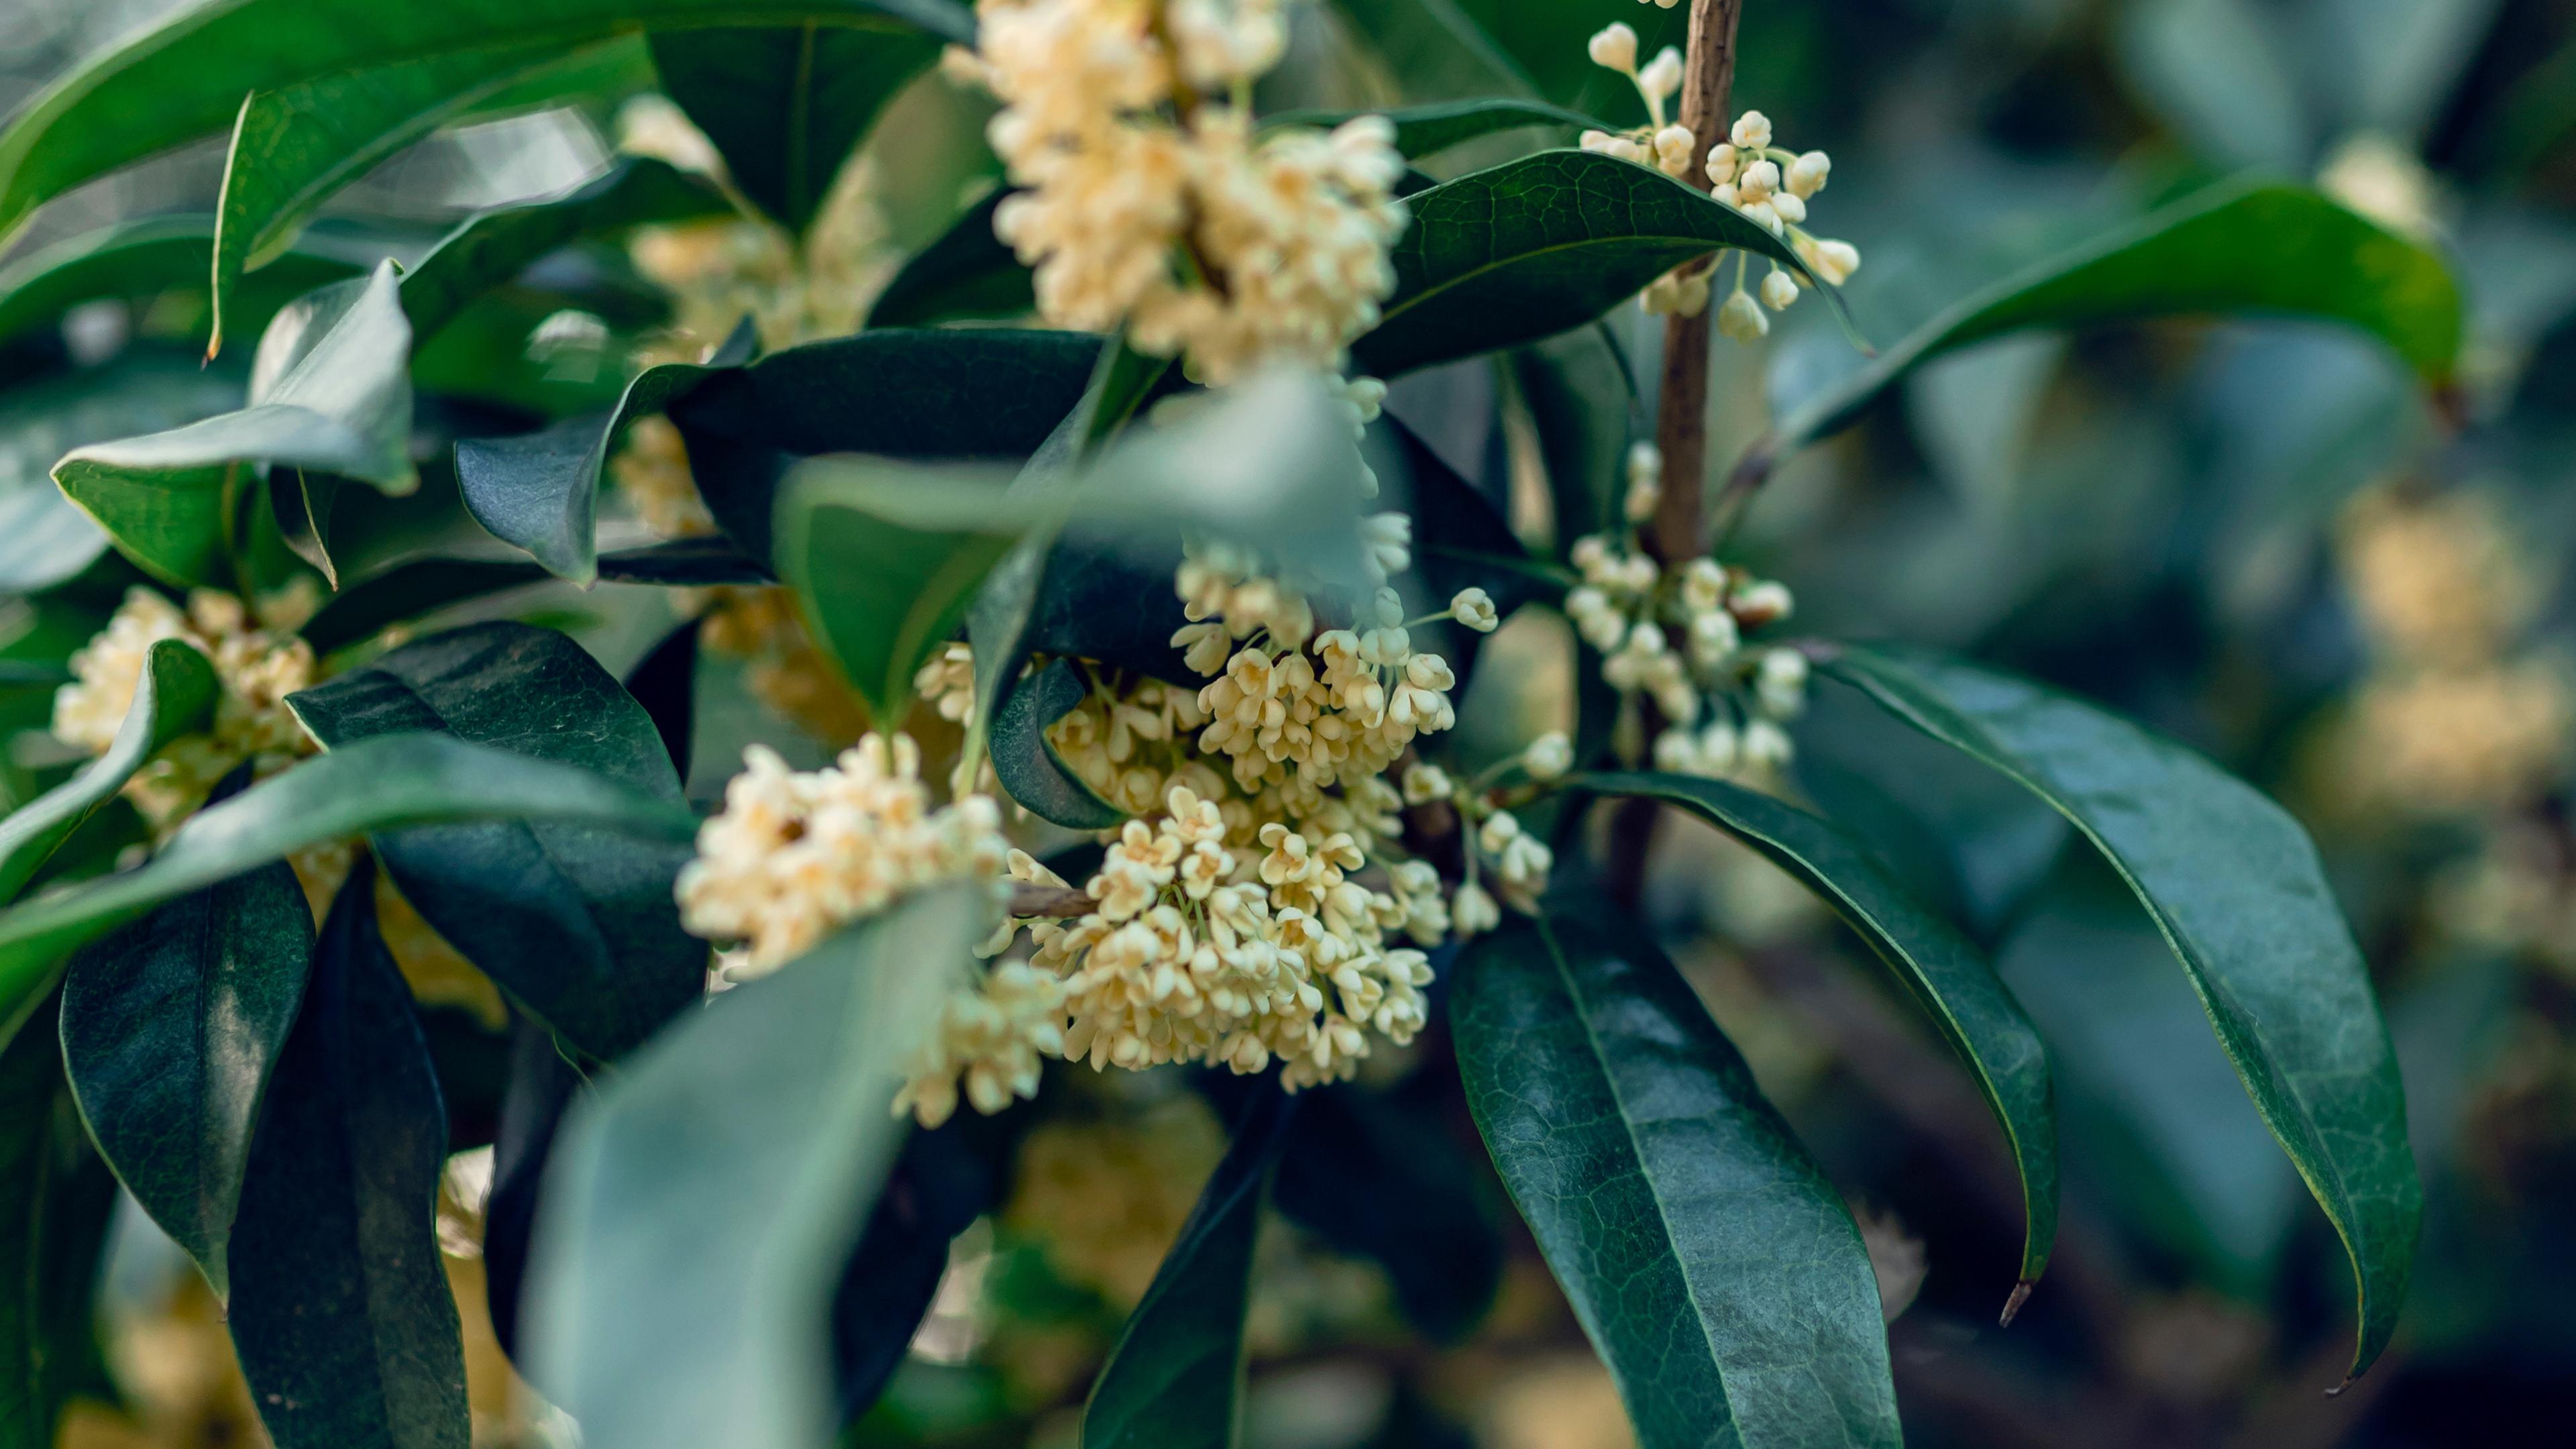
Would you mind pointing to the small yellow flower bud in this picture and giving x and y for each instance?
(1752, 131)
(1741, 318)
(1474, 608)
(1614, 47)
(1779, 290)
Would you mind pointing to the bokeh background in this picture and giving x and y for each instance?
(2261, 538)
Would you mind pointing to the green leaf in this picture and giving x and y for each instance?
(44, 539)
(1582, 398)
(340, 1310)
(787, 104)
(882, 585)
(1942, 970)
(2237, 889)
(170, 1027)
(575, 922)
(1533, 247)
(185, 78)
(2244, 247)
(373, 785)
(343, 408)
(684, 1266)
(490, 249)
(294, 147)
(1429, 129)
(1175, 1378)
(966, 272)
(1435, 46)
(174, 695)
(1381, 1176)
(154, 254)
(1026, 764)
(56, 1199)
(1714, 1268)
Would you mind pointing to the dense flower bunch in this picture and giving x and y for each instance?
(1678, 637)
(1148, 200)
(256, 666)
(1747, 171)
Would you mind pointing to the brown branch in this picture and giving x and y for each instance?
(1047, 900)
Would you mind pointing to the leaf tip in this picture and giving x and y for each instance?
(2012, 1305)
(2337, 1390)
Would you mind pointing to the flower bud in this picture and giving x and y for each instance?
(1662, 75)
(1807, 174)
(1614, 47)
(1787, 207)
(1752, 131)
(1779, 290)
(1833, 261)
(1758, 604)
(1673, 147)
(1549, 756)
(1723, 159)
(1475, 609)
(1741, 318)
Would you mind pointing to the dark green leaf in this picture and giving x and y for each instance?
(156, 254)
(1944, 973)
(942, 1183)
(186, 77)
(1459, 537)
(44, 539)
(488, 250)
(685, 1267)
(966, 272)
(55, 1201)
(1533, 247)
(2237, 889)
(2246, 247)
(665, 683)
(575, 922)
(787, 104)
(1425, 130)
(340, 1310)
(293, 147)
(411, 590)
(170, 1026)
(1027, 765)
(174, 695)
(373, 785)
(344, 407)
(1436, 47)
(1175, 1378)
(1380, 1177)
(1581, 395)
(541, 1087)
(1714, 1268)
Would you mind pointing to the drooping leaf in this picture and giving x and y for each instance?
(44, 539)
(343, 408)
(1175, 1378)
(185, 78)
(1428, 129)
(966, 272)
(575, 922)
(540, 1090)
(340, 1310)
(294, 146)
(787, 104)
(1945, 974)
(2237, 889)
(174, 695)
(171, 1025)
(154, 254)
(1712, 1265)
(1533, 247)
(684, 1268)
(374, 785)
(2252, 246)
(55, 1201)
(485, 251)
(1027, 765)
(944, 1180)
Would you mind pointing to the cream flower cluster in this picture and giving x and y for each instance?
(1746, 171)
(1148, 200)
(255, 666)
(1678, 637)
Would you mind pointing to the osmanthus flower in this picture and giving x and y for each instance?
(258, 662)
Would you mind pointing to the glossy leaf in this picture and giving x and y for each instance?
(1435, 44)
(343, 408)
(965, 272)
(1175, 1378)
(787, 104)
(1428, 129)
(487, 251)
(1027, 765)
(170, 1027)
(1942, 970)
(174, 695)
(2237, 889)
(373, 785)
(185, 77)
(2245, 247)
(1533, 247)
(340, 1310)
(1712, 1265)
(153, 254)
(55, 1202)
(418, 587)
(684, 1268)
(575, 922)
(295, 146)
(44, 539)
